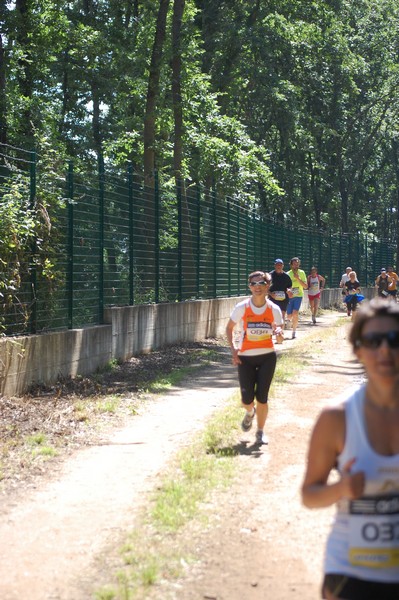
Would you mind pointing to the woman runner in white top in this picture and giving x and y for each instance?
(316, 285)
(360, 437)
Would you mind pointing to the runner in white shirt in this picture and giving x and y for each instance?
(316, 285)
(360, 438)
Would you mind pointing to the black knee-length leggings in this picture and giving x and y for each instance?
(255, 376)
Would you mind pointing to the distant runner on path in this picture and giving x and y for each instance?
(299, 283)
(316, 285)
(360, 438)
(280, 288)
(254, 355)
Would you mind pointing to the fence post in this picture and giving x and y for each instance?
(247, 269)
(131, 232)
(198, 240)
(238, 250)
(101, 241)
(70, 258)
(214, 211)
(228, 247)
(32, 266)
(156, 236)
(179, 242)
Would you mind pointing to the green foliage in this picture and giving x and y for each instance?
(289, 107)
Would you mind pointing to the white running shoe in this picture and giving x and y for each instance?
(261, 438)
(246, 423)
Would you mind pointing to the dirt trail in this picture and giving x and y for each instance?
(260, 542)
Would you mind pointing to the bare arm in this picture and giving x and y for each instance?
(303, 283)
(229, 334)
(326, 444)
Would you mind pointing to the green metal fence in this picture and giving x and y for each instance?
(106, 239)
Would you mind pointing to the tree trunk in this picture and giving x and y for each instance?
(395, 150)
(315, 191)
(153, 93)
(3, 102)
(178, 9)
(25, 75)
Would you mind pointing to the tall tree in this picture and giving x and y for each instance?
(153, 93)
(178, 10)
(3, 93)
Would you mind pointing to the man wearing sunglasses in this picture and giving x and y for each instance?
(257, 320)
(359, 436)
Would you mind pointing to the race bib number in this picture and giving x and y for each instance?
(295, 291)
(259, 332)
(374, 532)
(314, 288)
(278, 295)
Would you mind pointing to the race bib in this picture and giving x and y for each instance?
(295, 291)
(314, 288)
(259, 332)
(278, 295)
(374, 532)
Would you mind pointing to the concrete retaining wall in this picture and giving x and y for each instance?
(129, 331)
(41, 359)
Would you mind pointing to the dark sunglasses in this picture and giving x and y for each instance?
(374, 340)
(252, 283)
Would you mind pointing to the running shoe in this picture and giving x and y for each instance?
(293, 335)
(247, 421)
(314, 319)
(261, 438)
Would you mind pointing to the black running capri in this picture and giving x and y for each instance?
(255, 376)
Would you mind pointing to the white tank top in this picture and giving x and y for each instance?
(314, 285)
(364, 540)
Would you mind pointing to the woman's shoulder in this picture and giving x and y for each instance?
(242, 303)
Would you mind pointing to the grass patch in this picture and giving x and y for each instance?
(165, 382)
(198, 358)
(110, 404)
(45, 452)
(40, 447)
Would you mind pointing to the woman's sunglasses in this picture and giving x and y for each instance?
(374, 340)
(253, 283)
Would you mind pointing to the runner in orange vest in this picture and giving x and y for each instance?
(254, 354)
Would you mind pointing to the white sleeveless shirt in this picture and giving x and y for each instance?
(364, 540)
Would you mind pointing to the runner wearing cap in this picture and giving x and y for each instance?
(280, 289)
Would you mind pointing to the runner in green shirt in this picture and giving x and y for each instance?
(299, 283)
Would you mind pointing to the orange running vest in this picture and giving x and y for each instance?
(258, 329)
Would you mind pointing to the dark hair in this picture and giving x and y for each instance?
(262, 274)
(294, 258)
(377, 307)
